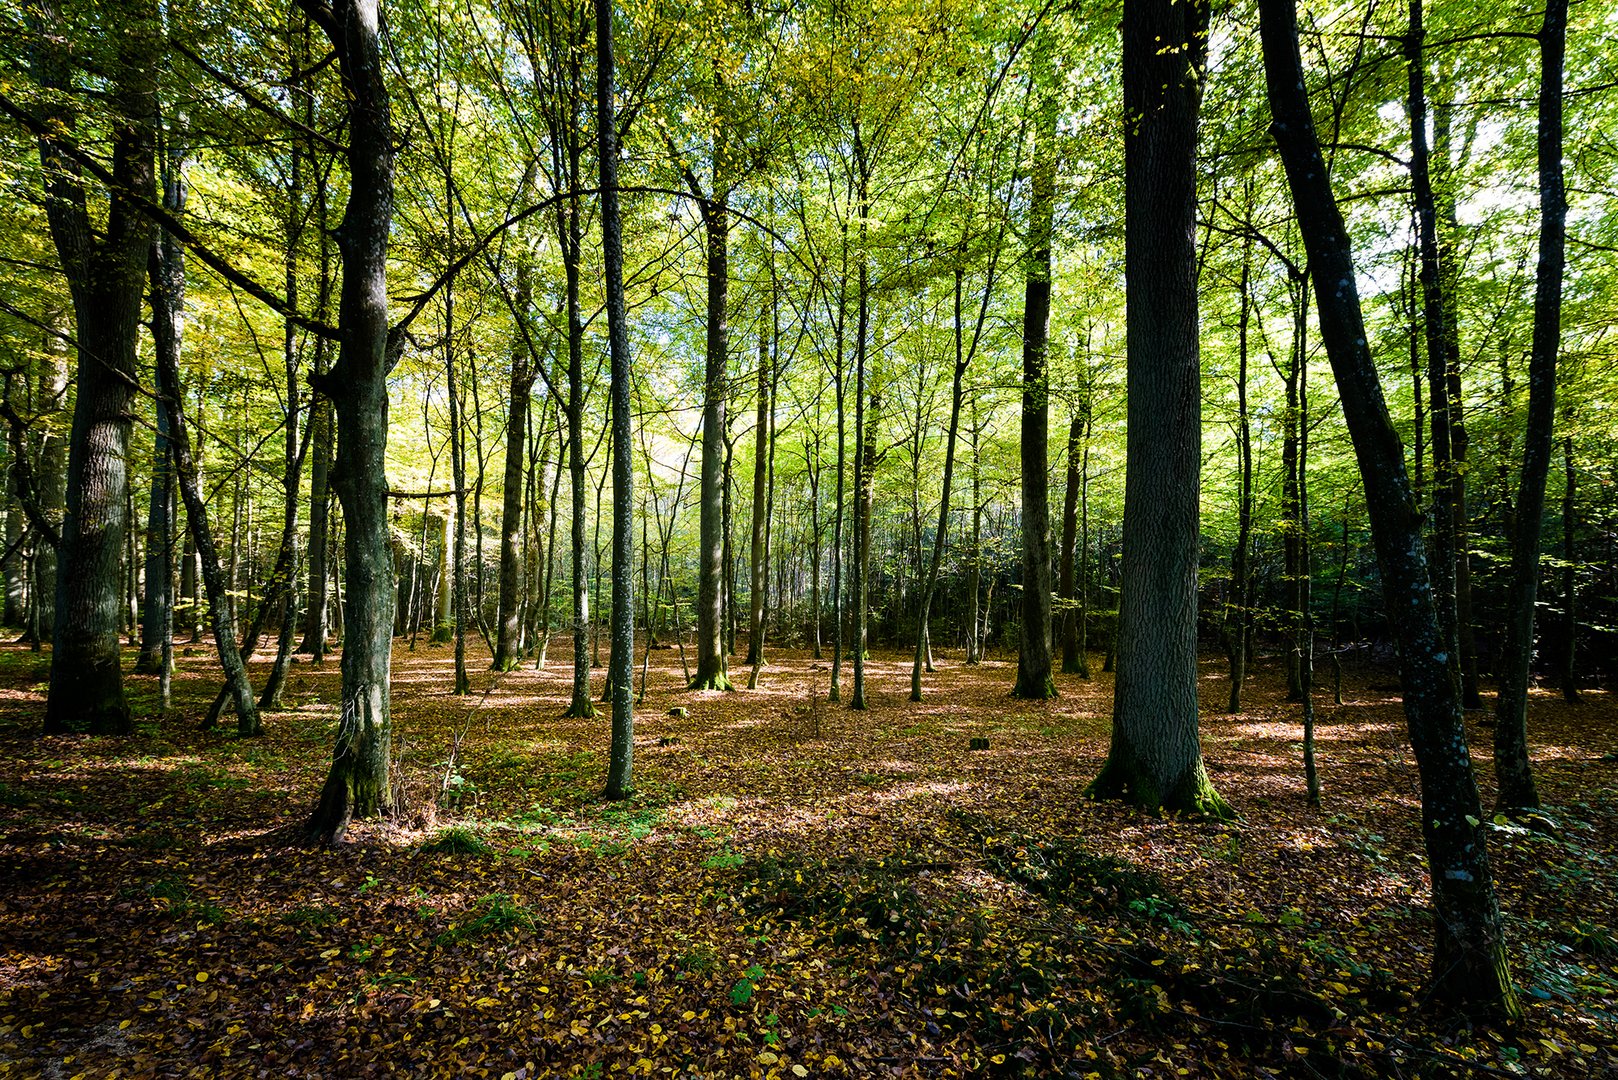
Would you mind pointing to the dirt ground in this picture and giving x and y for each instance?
(797, 889)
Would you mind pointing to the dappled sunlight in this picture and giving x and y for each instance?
(772, 832)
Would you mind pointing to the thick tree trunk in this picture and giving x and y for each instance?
(620, 759)
(359, 784)
(1034, 641)
(105, 266)
(1469, 960)
(1155, 759)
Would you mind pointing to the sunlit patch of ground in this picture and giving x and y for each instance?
(795, 886)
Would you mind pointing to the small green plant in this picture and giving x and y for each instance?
(698, 960)
(456, 840)
(746, 986)
(724, 860)
(307, 916)
(178, 903)
(496, 913)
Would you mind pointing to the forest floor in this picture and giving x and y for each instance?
(796, 889)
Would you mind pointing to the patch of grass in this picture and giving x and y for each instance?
(311, 916)
(494, 914)
(456, 840)
(697, 960)
(179, 903)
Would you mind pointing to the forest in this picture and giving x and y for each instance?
(917, 539)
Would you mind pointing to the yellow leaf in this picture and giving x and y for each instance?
(202, 976)
(122, 1024)
(767, 1058)
(799, 1071)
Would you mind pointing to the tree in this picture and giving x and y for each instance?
(1034, 642)
(1511, 763)
(358, 784)
(1155, 759)
(1469, 961)
(620, 675)
(105, 267)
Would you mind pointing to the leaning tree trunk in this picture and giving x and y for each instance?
(957, 394)
(105, 266)
(1511, 764)
(1241, 589)
(1469, 959)
(358, 784)
(1034, 641)
(168, 291)
(620, 758)
(1156, 759)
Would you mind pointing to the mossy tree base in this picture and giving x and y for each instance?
(1034, 687)
(715, 681)
(582, 708)
(1190, 793)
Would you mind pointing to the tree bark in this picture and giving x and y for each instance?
(759, 581)
(1156, 759)
(620, 762)
(1469, 961)
(359, 784)
(105, 266)
(1034, 641)
(1512, 768)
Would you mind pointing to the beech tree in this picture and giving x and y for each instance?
(1155, 759)
(1469, 959)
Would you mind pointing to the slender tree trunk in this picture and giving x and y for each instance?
(508, 618)
(1511, 763)
(1066, 583)
(620, 768)
(974, 574)
(1469, 960)
(957, 395)
(712, 568)
(168, 292)
(1570, 609)
(159, 595)
(1034, 641)
(759, 580)
(1438, 330)
(1155, 759)
(358, 784)
(1241, 588)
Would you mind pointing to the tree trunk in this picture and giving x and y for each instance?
(1511, 763)
(1070, 534)
(1569, 675)
(620, 766)
(758, 573)
(1034, 640)
(168, 291)
(1241, 588)
(508, 621)
(159, 592)
(105, 266)
(1155, 759)
(1469, 961)
(358, 784)
(712, 571)
(957, 394)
